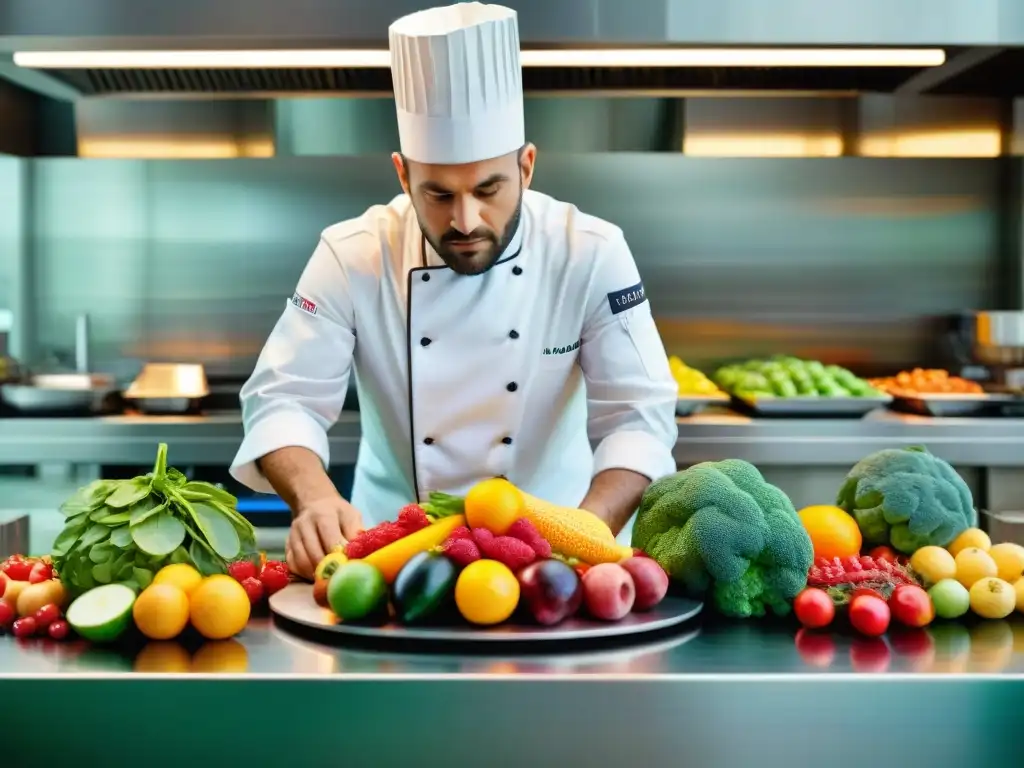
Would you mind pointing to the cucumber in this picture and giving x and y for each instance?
(102, 614)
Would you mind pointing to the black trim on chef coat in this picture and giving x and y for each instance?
(425, 272)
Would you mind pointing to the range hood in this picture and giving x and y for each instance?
(969, 35)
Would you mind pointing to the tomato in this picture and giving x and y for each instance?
(814, 608)
(18, 570)
(25, 627)
(869, 654)
(912, 606)
(40, 572)
(58, 630)
(884, 553)
(869, 615)
(7, 614)
(815, 648)
(46, 615)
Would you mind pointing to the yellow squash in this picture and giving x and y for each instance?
(391, 558)
(575, 532)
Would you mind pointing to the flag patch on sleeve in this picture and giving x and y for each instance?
(627, 298)
(304, 304)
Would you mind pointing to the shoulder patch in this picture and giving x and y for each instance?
(304, 304)
(627, 298)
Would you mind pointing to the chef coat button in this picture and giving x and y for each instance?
(517, 270)
(424, 342)
(507, 440)
(426, 276)
(511, 386)
(513, 334)
(428, 441)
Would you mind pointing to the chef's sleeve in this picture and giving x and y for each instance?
(631, 393)
(298, 388)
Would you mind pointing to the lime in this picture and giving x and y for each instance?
(103, 613)
(356, 590)
(950, 598)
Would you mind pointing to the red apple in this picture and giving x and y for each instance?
(608, 591)
(550, 590)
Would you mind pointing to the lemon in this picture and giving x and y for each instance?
(933, 564)
(973, 564)
(219, 607)
(1018, 588)
(972, 537)
(181, 575)
(161, 611)
(992, 598)
(486, 592)
(1009, 559)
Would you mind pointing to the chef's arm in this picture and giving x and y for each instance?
(614, 495)
(298, 387)
(631, 394)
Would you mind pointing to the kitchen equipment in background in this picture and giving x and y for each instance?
(13, 534)
(62, 393)
(168, 388)
(989, 347)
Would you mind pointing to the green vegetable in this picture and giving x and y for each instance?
(721, 528)
(440, 505)
(908, 498)
(791, 377)
(124, 531)
(423, 585)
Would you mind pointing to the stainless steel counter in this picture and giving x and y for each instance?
(213, 439)
(718, 694)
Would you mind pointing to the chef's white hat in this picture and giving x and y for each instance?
(458, 83)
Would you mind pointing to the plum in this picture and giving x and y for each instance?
(608, 591)
(550, 590)
(649, 579)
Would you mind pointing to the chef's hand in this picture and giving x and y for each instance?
(317, 529)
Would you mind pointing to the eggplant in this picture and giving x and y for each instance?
(422, 587)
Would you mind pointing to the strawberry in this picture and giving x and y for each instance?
(273, 579)
(240, 570)
(277, 565)
(253, 588)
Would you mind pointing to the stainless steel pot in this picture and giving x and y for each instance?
(999, 338)
(58, 393)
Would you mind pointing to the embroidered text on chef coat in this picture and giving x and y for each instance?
(620, 301)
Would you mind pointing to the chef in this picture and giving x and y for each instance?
(492, 330)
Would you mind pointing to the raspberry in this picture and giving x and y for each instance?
(242, 570)
(523, 530)
(462, 552)
(253, 588)
(277, 565)
(462, 532)
(412, 518)
(372, 539)
(273, 580)
(508, 551)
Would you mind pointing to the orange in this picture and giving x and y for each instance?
(161, 611)
(181, 575)
(486, 592)
(219, 608)
(833, 532)
(494, 504)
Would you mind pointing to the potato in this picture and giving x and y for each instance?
(35, 596)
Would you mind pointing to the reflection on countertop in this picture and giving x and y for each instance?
(727, 649)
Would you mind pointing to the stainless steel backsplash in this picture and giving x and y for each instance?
(847, 259)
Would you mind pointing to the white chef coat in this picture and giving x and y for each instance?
(515, 372)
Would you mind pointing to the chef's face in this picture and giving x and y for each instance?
(469, 213)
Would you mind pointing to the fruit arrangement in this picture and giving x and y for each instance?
(483, 558)
(32, 598)
(124, 531)
(691, 381)
(788, 377)
(926, 381)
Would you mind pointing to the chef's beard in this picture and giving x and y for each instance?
(479, 261)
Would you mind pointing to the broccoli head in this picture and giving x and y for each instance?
(720, 528)
(908, 498)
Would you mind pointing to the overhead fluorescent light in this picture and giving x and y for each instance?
(381, 59)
